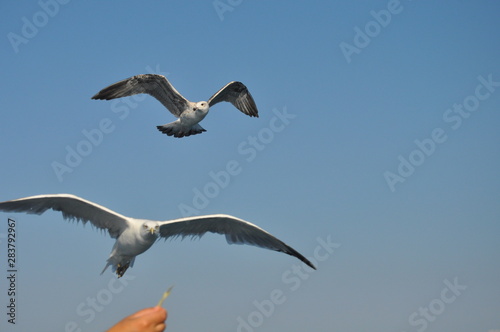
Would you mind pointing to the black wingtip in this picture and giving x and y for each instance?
(292, 252)
(101, 95)
(311, 265)
(306, 261)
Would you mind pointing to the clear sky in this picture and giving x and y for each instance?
(376, 154)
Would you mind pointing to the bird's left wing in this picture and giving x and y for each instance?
(237, 94)
(72, 207)
(237, 231)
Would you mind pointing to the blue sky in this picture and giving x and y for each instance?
(378, 135)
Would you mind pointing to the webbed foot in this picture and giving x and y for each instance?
(120, 269)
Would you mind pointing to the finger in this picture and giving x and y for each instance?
(160, 327)
(140, 313)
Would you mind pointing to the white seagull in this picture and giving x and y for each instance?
(135, 236)
(189, 114)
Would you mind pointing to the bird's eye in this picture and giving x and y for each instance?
(157, 227)
(145, 226)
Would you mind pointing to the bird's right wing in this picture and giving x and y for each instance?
(72, 207)
(155, 85)
(237, 231)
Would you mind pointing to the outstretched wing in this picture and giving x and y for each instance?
(237, 231)
(237, 94)
(72, 207)
(155, 85)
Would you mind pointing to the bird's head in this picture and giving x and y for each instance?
(151, 228)
(202, 106)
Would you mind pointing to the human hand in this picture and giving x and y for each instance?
(145, 320)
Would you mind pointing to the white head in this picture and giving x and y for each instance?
(150, 228)
(202, 106)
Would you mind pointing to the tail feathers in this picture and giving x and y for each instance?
(177, 130)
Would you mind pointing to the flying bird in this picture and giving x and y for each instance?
(135, 236)
(189, 114)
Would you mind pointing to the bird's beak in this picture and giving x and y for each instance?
(152, 230)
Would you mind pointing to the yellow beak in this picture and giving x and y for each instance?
(152, 230)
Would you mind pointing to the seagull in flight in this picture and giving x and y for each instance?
(188, 114)
(135, 236)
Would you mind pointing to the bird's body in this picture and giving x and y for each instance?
(135, 236)
(189, 114)
(130, 243)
